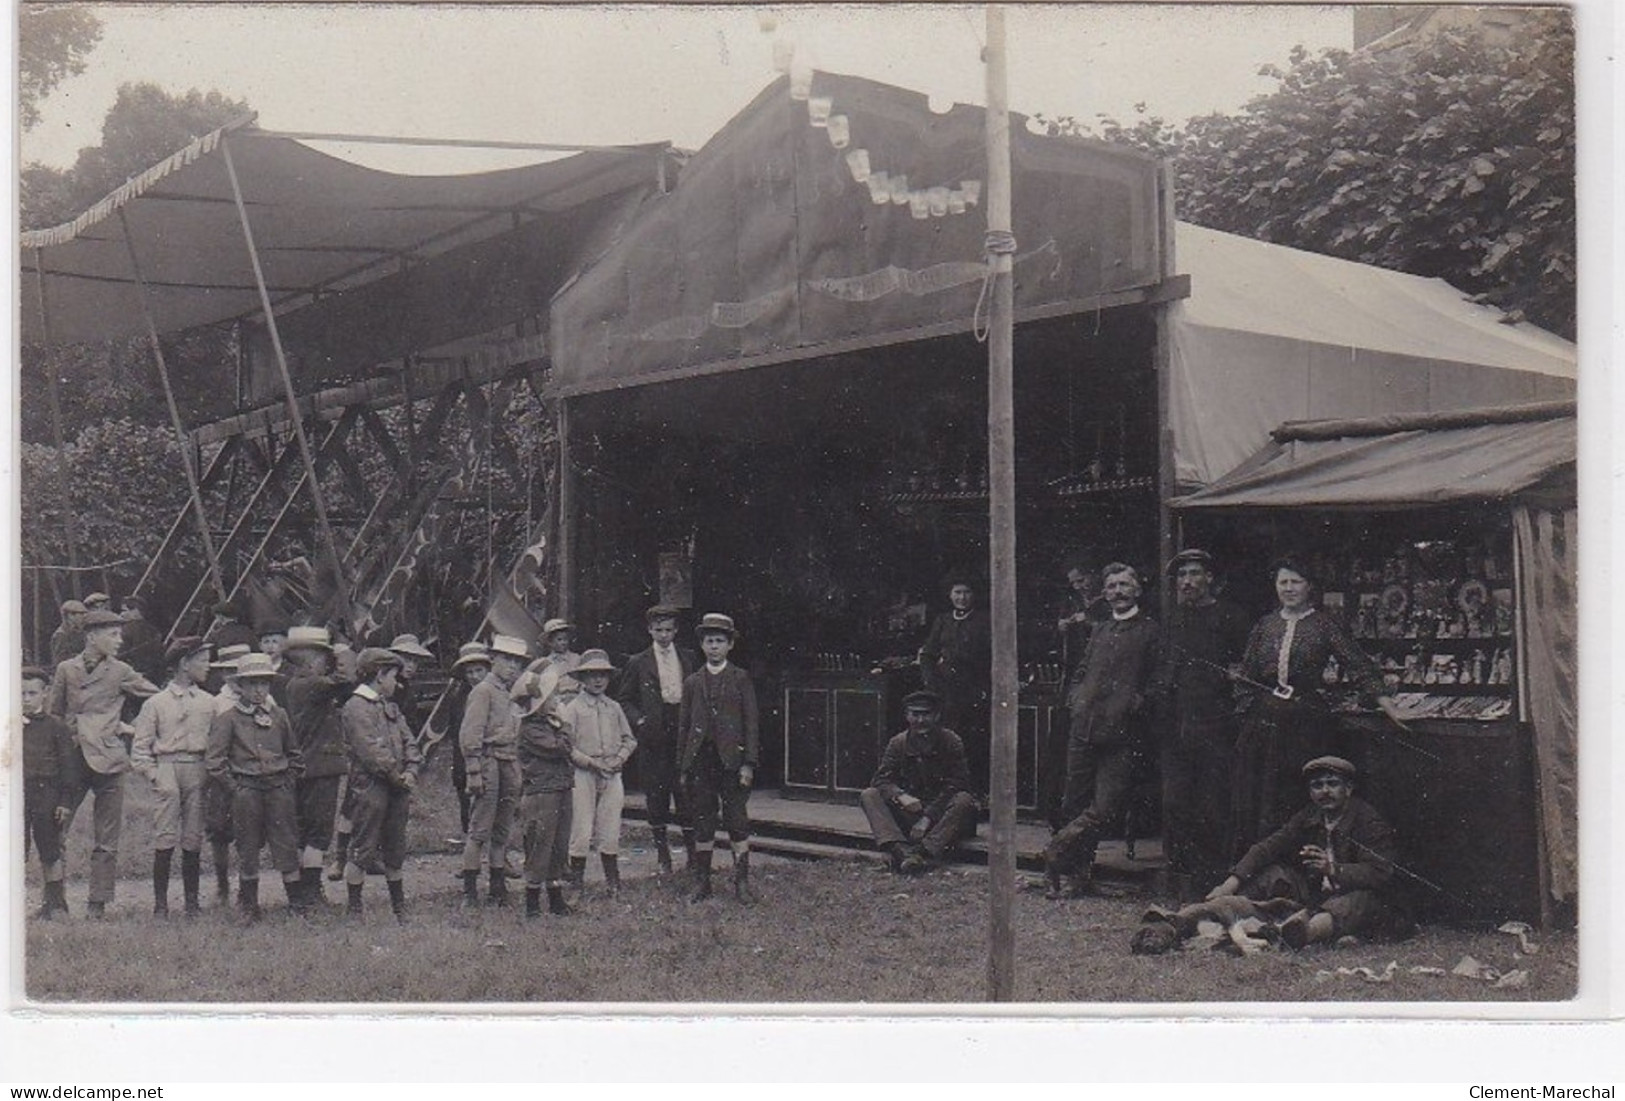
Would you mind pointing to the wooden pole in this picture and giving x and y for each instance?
(192, 486)
(1167, 532)
(323, 527)
(1001, 468)
(54, 398)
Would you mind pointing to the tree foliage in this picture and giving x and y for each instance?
(51, 46)
(1453, 159)
(144, 125)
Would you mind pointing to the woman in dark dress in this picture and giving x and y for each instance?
(956, 663)
(1281, 729)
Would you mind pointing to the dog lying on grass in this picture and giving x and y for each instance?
(1239, 924)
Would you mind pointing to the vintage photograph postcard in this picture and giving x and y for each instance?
(889, 509)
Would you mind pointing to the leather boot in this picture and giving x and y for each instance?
(702, 875)
(222, 871)
(298, 895)
(162, 860)
(248, 899)
(578, 872)
(310, 880)
(471, 889)
(55, 901)
(352, 907)
(744, 891)
(555, 901)
(533, 902)
(612, 873)
(337, 856)
(497, 895)
(191, 873)
(688, 849)
(663, 850)
(397, 898)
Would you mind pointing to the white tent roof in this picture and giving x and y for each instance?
(1271, 334)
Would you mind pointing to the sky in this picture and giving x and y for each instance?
(613, 75)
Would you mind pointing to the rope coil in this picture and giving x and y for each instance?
(995, 243)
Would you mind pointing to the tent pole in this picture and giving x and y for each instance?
(323, 526)
(192, 486)
(1167, 533)
(55, 400)
(1001, 467)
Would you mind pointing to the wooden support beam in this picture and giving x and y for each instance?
(379, 431)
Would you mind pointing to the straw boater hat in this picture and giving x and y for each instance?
(410, 646)
(553, 626)
(509, 645)
(254, 667)
(314, 638)
(472, 653)
(100, 617)
(716, 621)
(593, 661)
(227, 657)
(183, 648)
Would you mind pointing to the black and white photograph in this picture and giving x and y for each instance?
(884, 508)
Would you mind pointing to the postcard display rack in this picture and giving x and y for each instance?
(1437, 617)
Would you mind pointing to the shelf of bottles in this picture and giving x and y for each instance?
(1437, 617)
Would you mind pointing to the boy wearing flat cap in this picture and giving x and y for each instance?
(252, 752)
(1333, 858)
(600, 743)
(171, 740)
(920, 803)
(650, 692)
(315, 696)
(718, 753)
(384, 763)
(88, 694)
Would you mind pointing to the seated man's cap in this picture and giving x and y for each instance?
(1336, 765)
(1191, 554)
(923, 698)
(101, 617)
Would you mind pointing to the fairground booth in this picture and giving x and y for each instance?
(774, 397)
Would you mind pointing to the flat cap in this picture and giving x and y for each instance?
(1191, 554)
(101, 617)
(1338, 765)
(184, 647)
(923, 698)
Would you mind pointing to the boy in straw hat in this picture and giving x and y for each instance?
(315, 697)
(549, 785)
(489, 736)
(718, 754)
(384, 763)
(87, 694)
(171, 738)
(472, 665)
(557, 637)
(252, 752)
(600, 743)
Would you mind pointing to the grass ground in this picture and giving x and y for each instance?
(827, 932)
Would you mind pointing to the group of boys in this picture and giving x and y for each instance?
(309, 748)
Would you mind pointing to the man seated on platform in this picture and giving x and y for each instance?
(919, 804)
(1333, 858)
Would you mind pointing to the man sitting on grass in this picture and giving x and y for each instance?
(1332, 858)
(919, 805)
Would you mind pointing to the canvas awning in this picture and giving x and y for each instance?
(1272, 334)
(321, 225)
(1400, 462)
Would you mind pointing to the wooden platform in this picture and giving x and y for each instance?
(818, 830)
